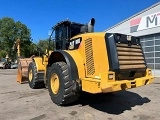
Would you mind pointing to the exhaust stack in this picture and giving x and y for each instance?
(91, 25)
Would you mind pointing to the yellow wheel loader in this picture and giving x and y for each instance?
(83, 60)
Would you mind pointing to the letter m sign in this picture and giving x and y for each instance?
(151, 20)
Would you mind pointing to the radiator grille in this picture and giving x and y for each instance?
(130, 57)
(89, 57)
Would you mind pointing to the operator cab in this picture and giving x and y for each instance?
(66, 29)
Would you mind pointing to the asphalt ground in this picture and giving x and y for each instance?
(19, 102)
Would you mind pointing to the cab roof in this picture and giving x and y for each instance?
(66, 22)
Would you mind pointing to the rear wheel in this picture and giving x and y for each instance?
(60, 86)
(34, 83)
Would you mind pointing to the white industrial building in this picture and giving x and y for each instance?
(146, 25)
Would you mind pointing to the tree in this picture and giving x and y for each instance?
(10, 31)
(43, 45)
(2, 54)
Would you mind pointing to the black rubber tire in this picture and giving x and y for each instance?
(65, 94)
(7, 66)
(34, 83)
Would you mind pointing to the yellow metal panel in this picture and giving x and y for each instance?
(99, 58)
(143, 81)
(39, 65)
(147, 72)
(45, 58)
(91, 85)
(79, 62)
(45, 63)
(105, 78)
(98, 62)
(97, 86)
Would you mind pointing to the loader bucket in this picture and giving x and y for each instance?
(22, 75)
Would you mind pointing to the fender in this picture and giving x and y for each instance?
(38, 62)
(70, 59)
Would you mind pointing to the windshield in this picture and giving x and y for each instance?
(75, 29)
(61, 36)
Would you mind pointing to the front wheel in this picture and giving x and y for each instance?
(34, 83)
(60, 87)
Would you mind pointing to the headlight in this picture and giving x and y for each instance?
(149, 72)
(110, 76)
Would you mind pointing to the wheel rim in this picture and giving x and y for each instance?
(55, 83)
(30, 75)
